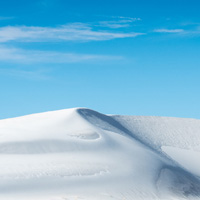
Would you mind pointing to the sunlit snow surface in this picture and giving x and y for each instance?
(81, 154)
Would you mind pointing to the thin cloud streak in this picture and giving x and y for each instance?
(181, 32)
(119, 22)
(70, 32)
(168, 30)
(26, 74)
(30, 57)
(127, 18)
(113, 24)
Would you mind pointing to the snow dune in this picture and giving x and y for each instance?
(81, 154)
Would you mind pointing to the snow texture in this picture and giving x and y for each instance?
(80, 154)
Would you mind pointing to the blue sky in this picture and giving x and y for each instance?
(122, 57)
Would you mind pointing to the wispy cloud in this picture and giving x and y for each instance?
(119, 22)
(113, 24)
(69, 32)
(168, 30)
(131, 19)
(23, 56)
(26, 74)
(195, 32)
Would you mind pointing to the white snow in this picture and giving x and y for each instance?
(188, 158)
(81, 154)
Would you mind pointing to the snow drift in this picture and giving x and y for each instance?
(81, 154)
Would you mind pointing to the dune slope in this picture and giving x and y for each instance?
(82, 154)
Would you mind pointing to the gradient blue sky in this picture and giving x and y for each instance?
(117, 57)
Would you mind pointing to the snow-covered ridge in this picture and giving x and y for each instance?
(82, 154)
